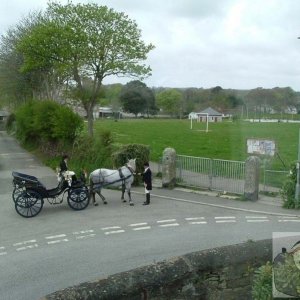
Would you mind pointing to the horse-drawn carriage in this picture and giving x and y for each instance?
(29, 193)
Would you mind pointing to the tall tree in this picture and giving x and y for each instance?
(86, 40)
(136, 98)
(170, 102)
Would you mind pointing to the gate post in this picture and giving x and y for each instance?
(251, 187)
(169, 168)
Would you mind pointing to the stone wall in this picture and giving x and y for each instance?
(219, 273)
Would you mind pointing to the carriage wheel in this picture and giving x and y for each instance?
(78, 199)
(16, 192)
(28, 204)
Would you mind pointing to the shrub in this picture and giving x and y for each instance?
(10, 123)
(47, 122)
(262, 283)
(138, 151)
(288, 189)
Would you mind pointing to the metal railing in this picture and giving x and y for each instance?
(214, 174)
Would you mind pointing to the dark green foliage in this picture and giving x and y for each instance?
(10, 123)
(126, 152)
(289, 188)
(262, 283)
(92, 153)
(47, 121)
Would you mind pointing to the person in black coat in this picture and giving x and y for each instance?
(64, 164)
(147, 179)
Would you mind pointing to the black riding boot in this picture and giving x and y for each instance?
(147, 202)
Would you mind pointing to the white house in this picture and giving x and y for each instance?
(210, 113)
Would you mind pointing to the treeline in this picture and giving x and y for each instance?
(64, 54)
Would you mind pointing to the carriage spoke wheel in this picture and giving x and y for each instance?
(78, 199)
(28, 204)
(16, 192)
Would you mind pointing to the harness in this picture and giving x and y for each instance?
(122, 179)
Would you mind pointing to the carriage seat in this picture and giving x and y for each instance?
(25, 179)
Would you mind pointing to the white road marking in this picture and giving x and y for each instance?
(27, 247)
(20, 153)
(24, 243)
(291, 220)
(137, 224)
(3, 253)
(114, 232)
(2, 248)
(55, 236)
(169, 225)
(57, 241)
(193, 219)
(285, 217)
(257, 221)
(226, 221)
(111, 227)
(141, 228)
(83, 231)
(198, 223)
(85, 236)
(224, 218)
(166, 221)
(256, 217)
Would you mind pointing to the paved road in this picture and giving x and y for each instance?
(61, 247)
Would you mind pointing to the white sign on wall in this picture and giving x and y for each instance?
(261, 146)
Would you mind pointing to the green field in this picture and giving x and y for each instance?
(226, 140)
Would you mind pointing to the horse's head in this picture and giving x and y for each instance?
(131, 164)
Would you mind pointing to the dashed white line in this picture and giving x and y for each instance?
(114, 232)
(141, 228)
(58, 236)
(256, 217)
(226, 219)
(55, 236)
(166, 221)
(169, 225)
(137, 224)
(258, 221)
(57, 241)
(290, 220)
(79, 237)
(83, 231)
(27, 247)
(196, 218)
(111, 227)
(198, 222)
(24, 243)
(3, 252)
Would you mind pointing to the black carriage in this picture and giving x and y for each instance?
(29, 194)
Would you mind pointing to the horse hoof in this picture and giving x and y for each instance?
(124, 201)
(104, 202)
(131, 204)
(95, 204)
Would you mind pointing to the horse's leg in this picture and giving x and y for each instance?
(101, 196)
(92, 193)
(129, 196)
(123, 192)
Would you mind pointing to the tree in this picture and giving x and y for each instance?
(170, 101)
(86, 40)
(136, 98)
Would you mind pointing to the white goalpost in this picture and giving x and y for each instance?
(205, 114)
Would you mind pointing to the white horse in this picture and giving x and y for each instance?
(101, 178)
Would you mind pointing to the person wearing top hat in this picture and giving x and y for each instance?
(147, 179)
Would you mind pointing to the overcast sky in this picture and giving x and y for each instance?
(240, 44)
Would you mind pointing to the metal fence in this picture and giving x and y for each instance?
(272, 180)
(213, 174)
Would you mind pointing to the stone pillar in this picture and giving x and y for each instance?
(169, 168)
(251, 188)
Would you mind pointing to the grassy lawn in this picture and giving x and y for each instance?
(226, 140)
